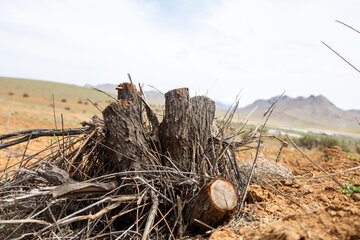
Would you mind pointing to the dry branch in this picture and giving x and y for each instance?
(82, 188)
(19, 221)
(151, 218)
(36, 133)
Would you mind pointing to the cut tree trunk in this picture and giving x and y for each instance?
(175, 128)
(186, 127)
(203, 113)
(125, 133)
(213, 205)
(125, 136)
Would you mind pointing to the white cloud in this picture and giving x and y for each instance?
(218, 47)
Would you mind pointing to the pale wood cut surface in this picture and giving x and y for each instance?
(223, 195)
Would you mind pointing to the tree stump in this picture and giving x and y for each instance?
(203, 113)
(125, 132)
(183, 135)
(186, 127)
(175, 127)
(213, 205)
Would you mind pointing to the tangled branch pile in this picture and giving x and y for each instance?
(126, 175)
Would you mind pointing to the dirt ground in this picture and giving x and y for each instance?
(312, 208)
(19, 113)
(324, 212)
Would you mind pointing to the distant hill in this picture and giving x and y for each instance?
(355, 112)
(45, 89)
(222, 106)
(311, 112)
(107, 87)
(153, 97)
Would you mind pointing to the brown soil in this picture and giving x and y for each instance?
(326, 212)
(31, 113)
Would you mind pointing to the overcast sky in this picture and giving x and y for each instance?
(218, 48)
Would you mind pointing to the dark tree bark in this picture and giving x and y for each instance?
(126, 136)
(125, 131)
(175, 127)
(213, 205)
(203, 113)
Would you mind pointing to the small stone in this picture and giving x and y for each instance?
(332, 213)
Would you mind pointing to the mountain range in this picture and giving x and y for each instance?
(315, 112)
